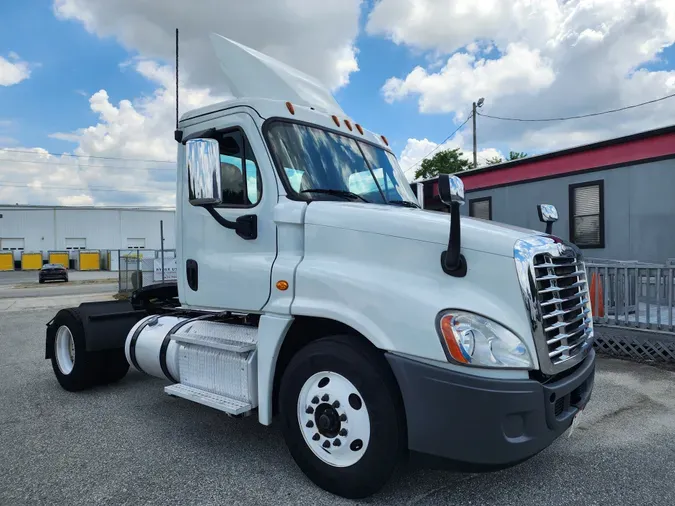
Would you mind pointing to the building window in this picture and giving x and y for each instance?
(587, 214)
(481, 208)
(242, 186)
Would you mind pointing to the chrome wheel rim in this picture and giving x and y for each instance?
(333, 419)
(65, 350)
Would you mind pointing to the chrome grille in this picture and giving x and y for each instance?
(563, 299)
(553, 281)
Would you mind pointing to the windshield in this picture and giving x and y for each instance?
(316, 159)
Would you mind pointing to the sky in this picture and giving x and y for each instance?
(87, 86)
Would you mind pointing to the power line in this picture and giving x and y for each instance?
(90, 188)
(438, 146)
(85, 156)
(56, 162)
(580, 115)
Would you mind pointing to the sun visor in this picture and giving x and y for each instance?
(251, 74)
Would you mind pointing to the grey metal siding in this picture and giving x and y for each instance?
(639, 209)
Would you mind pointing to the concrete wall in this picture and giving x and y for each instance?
(639, 209)
(45, 229)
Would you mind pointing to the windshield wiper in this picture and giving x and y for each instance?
(404, 203)
(339, 193)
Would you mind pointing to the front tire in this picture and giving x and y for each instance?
(342, 414)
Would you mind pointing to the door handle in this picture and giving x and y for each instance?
(192, 274)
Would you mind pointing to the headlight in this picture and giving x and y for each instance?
(470, 339)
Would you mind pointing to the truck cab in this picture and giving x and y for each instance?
(314, 290)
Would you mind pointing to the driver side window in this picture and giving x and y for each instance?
(241, 182)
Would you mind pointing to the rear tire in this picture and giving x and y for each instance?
(77, 372)
(114, 366)
(368, 418)
(76, 368)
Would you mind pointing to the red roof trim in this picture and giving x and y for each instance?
(616, 154)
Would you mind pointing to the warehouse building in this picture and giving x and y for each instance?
(82, 237)
(614, 198)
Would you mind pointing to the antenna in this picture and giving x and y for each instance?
(176, 78)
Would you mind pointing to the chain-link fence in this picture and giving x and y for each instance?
(137, 268)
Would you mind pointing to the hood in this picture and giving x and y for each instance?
(416, 224)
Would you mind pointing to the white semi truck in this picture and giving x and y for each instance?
(314, 290)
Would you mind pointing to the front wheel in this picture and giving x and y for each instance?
(342, 416)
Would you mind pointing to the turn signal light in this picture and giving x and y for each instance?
(282, 285)
(450, 338)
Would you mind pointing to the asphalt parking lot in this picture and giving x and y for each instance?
(132, 444)
(15, 277)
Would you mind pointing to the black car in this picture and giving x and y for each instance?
(50, 272)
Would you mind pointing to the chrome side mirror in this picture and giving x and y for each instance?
(450, 189)
(547, 214)
(203, 168)
(451, 192)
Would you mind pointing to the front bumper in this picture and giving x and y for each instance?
(483, 421)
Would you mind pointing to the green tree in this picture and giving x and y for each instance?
(447, 161)
(513, 155)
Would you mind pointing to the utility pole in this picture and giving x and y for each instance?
(476, 105)
(161, 238)
(475, 143)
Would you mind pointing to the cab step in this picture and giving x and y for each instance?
(219, 402)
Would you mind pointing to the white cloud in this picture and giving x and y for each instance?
(129, 134)
(13, 72)
(315, 37)
(464, 78)
(550, 59)
(417, 150)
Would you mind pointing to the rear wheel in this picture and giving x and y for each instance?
(114, 366)
(342, 416)
(76, 368)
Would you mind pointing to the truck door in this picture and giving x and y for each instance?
(220, 269)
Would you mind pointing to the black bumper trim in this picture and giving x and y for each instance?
(483, 421)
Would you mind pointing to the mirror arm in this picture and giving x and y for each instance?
(452, 261)
(245, 226)
(549, 227)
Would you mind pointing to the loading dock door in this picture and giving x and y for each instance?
(59, 257)
(31, 261)
(90, 260)
(6, 261)
(76, 243)
(12, 244)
